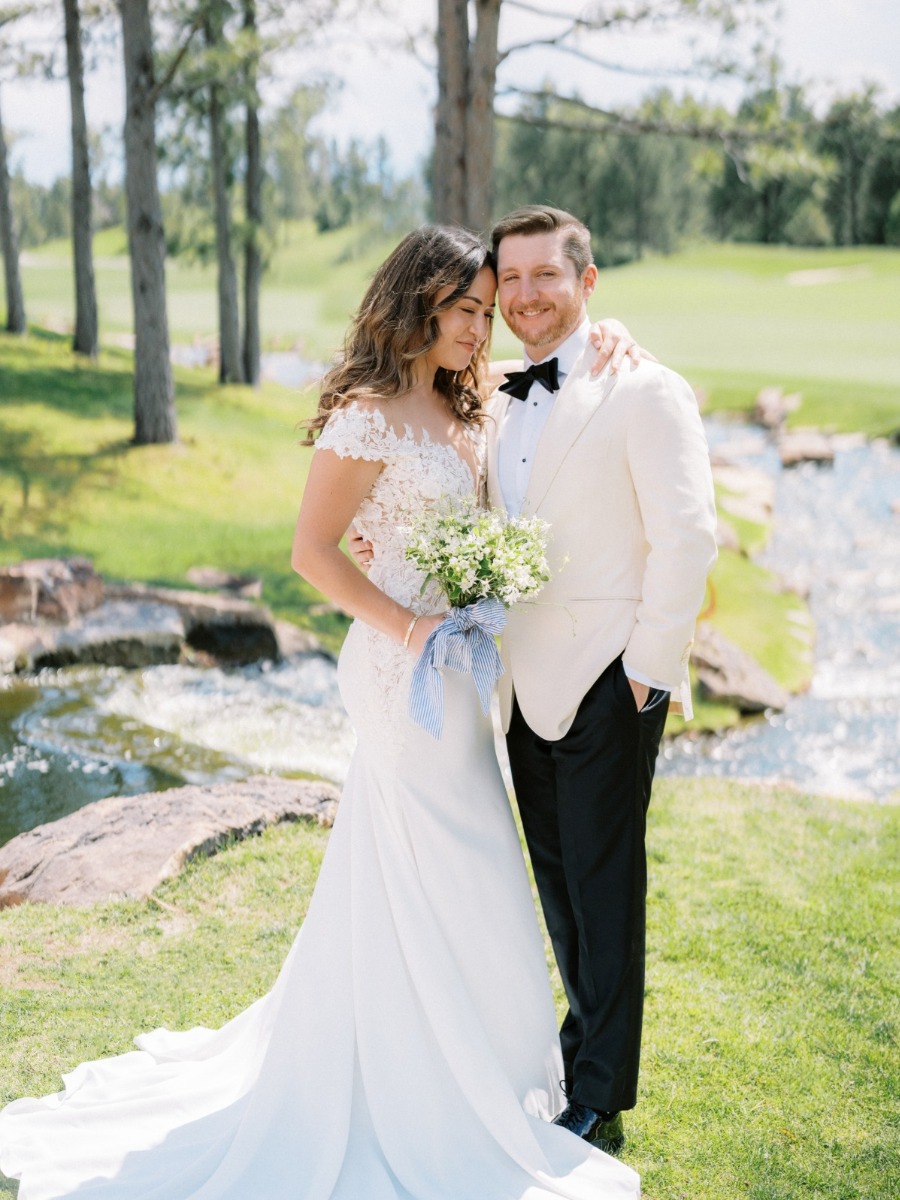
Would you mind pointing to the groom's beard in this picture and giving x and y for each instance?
(566, 317)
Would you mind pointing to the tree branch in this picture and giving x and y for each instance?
(577, 23)
(618, 123)
(648, 12)
(621, 68)
(160, 86)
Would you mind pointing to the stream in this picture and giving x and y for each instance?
(71, 736)
(837, 536)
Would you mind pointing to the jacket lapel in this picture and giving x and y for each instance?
(579, 399)
(496, 409)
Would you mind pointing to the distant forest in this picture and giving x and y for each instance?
(836, 184)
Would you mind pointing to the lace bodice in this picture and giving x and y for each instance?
(374, 670)
(417, 473)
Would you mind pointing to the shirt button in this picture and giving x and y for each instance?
(524, 460)
(535, 403)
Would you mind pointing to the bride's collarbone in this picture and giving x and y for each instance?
(428, 424)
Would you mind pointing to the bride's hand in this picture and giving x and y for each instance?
(422, 631)
(614, 343)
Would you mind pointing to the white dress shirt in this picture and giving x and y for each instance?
(524, 423)
(520, 432)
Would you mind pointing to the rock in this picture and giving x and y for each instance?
(773, 406)
(798, 582)
(727, 536)
(21, 643)
(805, 445)
(747, 492)
(125, 846)
(228, 629)
(140, 626)
(49, 589)
(293, 640)
(729, 675)
(248, 586)
(325, 609)
(120, 633)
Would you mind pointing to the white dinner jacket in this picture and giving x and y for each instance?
(622, 476)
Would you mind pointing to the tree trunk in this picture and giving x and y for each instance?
(479, 135)
(229, 319)
(230, 366)
(448, 186)
(9, 244)
(154, 395)
(253, 214)
(85, 341)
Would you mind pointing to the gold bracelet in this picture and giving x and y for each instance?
(410, 627)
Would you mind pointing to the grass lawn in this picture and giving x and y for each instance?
(735, 319)
(770, 1067)
(731, 318)
(313, 285)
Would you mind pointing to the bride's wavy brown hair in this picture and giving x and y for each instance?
(397, 322)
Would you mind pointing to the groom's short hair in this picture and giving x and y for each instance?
(541, 218)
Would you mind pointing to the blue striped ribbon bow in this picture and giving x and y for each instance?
(464, 642)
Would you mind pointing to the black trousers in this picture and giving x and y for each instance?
(583, 801)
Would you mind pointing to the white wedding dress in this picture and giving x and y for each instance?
(408, 1050)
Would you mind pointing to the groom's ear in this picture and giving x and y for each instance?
(589, 280)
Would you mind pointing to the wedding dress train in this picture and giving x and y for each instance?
(408, 1049)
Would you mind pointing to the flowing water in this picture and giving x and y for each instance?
(72, 736)
(837, 534)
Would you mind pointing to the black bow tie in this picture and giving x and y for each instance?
(518, 383)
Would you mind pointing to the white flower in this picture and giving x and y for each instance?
(474, 552)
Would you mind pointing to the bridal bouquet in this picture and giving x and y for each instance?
(477, 553)
(483, 562)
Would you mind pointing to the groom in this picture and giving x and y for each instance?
(618, 466)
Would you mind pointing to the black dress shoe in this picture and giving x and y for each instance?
(602, 1129)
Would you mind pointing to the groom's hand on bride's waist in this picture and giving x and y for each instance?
(360, 549)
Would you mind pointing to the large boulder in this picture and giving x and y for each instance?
(805, 445)
(248, 586)
(772, 407)
(747, 492)
(141, 626)
(293, 640)
(118, 634)
(21, 643)
(729, 675)
(125, 846)
(48, 589)
(228, 629)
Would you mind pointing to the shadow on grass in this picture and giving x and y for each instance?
(79, 389)
(46, 482)
(60, 379)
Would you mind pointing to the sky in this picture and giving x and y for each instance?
(384, 91)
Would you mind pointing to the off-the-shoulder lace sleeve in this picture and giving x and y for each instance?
(357, 432)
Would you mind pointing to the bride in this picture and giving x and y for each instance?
(434, 1072)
